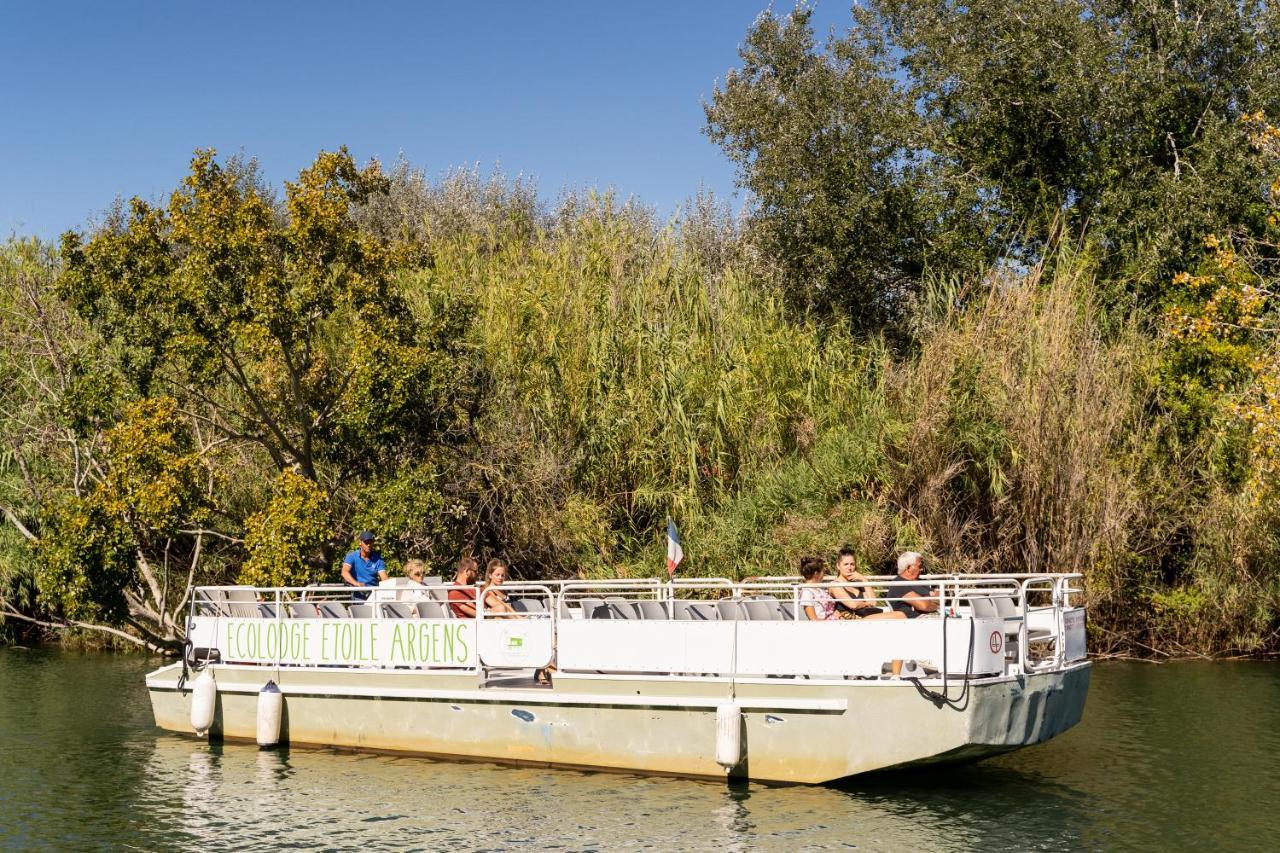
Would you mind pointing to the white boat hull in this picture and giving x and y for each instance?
(794, 730)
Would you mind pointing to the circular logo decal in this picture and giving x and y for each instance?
(996, 642)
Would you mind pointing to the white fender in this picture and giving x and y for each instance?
(270, 710)
(728, 735)
(204, 697)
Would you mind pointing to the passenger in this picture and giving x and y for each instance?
(817, 602)
(857, 599)
(411, 585)
(364, 566)
(912, 598)
(462, 594)
(495, 600)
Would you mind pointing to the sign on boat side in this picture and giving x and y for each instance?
(347, 642)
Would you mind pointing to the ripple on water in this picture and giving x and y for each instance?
(1176, 757)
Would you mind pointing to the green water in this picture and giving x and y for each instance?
(1181, 756)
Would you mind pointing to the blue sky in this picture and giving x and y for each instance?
(103, 100)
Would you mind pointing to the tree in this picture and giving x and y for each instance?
(280, 326)
(946, 131)
(218, 364)
(829, 145)
(128, 549)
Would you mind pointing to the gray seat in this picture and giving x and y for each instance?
(731, 609)
(595, 608)
(432, 580)
(762, 608)
(650, 609)
(360, 611)
(242, 603)
(268, 611)
(301, 610)
(528, 605)
(433, 610)
(1006, 609)
(697, 611)
(333, 610)
(399, 610)
(620, 608)
(983, 607)
(210, 602)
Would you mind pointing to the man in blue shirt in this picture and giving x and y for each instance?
(364, 567)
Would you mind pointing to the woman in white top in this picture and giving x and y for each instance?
(817, 602)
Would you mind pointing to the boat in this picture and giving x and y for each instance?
(709, 678)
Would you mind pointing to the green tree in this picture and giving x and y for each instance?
(280, 326)
(847, 198)
(942, 131)
(261, 319)
(127, 549)
(283, 538)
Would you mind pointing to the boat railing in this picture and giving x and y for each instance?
(1033, 623)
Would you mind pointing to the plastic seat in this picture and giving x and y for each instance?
(528, 605)
(333, 610)
(267, 611)
(697, 611)
(398, 610)
(731, 609)
(650, 609)
(620, 608)
(210, 602)
(983, 608)
(762, 608)
(360, 611)
(594, 608)
(433, 610)
(242, 603)
(1006, 609)
(301, 610)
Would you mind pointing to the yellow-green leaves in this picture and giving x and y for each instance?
(285, 535)
(152, 486)
(154, 476)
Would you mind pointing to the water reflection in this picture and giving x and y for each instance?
(1172, 757)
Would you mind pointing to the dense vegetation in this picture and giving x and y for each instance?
(1005, 296)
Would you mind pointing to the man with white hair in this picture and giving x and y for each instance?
(911, 598)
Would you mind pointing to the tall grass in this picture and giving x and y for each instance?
(633, 371)
(628, 379)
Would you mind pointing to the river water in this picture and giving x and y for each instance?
(1179, 756)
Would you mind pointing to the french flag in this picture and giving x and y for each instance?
(675, 552)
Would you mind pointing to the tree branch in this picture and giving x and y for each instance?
(17, 523)
(9, 612)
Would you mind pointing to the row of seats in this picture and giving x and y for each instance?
(388, 610)
(758, 608)
(243, 604)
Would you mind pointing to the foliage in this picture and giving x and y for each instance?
(91, 559)
(267, 321)
(933, 134)
(415, 520)
(551, 384)
(281, 539)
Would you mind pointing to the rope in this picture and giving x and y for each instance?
(944, 698)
